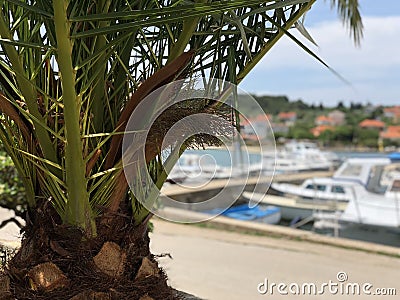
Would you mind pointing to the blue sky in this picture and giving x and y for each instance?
(373, 69)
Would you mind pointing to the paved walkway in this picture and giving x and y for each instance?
(9, 234)
(216, 264)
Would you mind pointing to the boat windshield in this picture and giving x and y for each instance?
(317, 187)
(338, 189)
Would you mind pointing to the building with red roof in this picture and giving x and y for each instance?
(255, 128)
(323, 120)
(392, 113)
(391, 133)
(290, 115)
(372, 124)
(316, 131)
(289, 118)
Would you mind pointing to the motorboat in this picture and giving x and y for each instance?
(187, 166)
(322, 188)
(309, 153)
(297, 157)
(198, 168)
(374, 209)
(354, 171)
(369, 216)
(328, 194)
(282, 163)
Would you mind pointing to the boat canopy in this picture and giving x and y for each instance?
(359, 169)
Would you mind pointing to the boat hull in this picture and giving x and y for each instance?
(370, 233)
(295, 208)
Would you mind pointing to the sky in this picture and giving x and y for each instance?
(372, 69)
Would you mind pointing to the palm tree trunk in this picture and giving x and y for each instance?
(58, 262)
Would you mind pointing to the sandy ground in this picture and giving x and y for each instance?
(214, 264)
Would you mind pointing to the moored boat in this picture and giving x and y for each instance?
(326, 194)
(267, 214)
(369, 216)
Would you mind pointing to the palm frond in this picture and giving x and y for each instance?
(349, 11)
(74, 71)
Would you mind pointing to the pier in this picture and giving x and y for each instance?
(175, 190)
(232, 187)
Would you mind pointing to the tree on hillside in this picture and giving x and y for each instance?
(367, 137)
(356, 106)
(71, 74)
(273, 104)
(340, 106)
(300, 105)
(376, 113)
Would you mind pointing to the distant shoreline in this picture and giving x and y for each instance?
(337, 149)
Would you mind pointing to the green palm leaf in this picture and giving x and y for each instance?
(70, 68)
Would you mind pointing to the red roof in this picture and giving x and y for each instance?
(393, 109)
(323, 119)
(393, 128)
(287, 115)
(316, 131)
(392, 132)
(259, 118)
(368, 123)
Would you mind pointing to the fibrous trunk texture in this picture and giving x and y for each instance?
(57, 262)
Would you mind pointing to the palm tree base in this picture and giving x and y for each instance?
(57, 262)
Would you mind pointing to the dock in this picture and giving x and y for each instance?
(217, 184)
(187, 195)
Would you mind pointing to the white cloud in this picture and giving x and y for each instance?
(380, 45)
(373, 69)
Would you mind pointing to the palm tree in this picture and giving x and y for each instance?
(71, 74)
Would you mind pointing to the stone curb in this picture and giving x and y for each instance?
(277, 231)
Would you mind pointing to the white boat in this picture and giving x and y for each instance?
(321, 188)
(297, 157)
(282, 163)
(186, 167)
(373, 209)
(310, 154)
(326, 194)
(198, 168)
(369, 216)
(354, 171)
